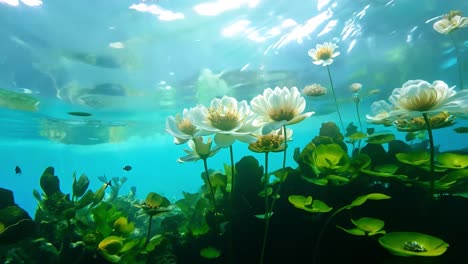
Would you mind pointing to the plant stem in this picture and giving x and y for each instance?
(334, 98)
(431, 146)
(231, 153)
(459, 63)
(211, 186)
(267, 210)
(360, 123)
(149, 230)
(322, 231)
(285, 146)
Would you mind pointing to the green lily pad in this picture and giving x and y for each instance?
(362, 199)
(111, 245)
(380, 138)
(365, 226)
(414, 158)
(452, 160)
(309, 205)
(353, 231)
(18, 101)
(317, 181)
(210, 252)
(357, 136)
(369, 224)
(336, 179)
(413, 244)
(386, 170)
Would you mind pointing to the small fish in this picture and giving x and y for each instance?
(18, 170)
(127, 168)
(79, 114)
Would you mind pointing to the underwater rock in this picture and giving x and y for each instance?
(6, 198)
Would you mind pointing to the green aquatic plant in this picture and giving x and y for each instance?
(308, 204)
(271, 142)
(365, 226)
(407, 244)
(201, 150)
(210, 252)
(356, 202)
(451, 160)
(154, 204)
(330, 158)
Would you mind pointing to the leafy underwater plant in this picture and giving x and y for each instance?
(356, 202)
(408, 244)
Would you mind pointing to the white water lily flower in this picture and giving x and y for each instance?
(418, 96)
(449, 24)
(278, 107)
(199, 150)
(228, 119)
(181, 127)
(323, 54)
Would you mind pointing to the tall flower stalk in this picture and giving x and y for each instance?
(449, 23)
(416, 98)
(272, 142)
(323, 54)
(200, 150)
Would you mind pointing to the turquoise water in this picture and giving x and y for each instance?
(131, 64)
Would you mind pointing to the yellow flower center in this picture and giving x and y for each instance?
(424, 101)
(186, 127)
(222, 119)
(324, 53)
(267, 143)
(282, 114)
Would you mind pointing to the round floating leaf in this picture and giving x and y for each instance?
(369, 224)
(320, 207)
(413, 244)
(386, 170)
(111, 245)
(306, 204)
(336, 179)
(380, 138)
(155, 200)
(317, 181)
(210, 252)
(452, 160)
(300, 201)
(357, 136)
(414, 158)
(122, 225)
(353, 231)
(362, 199)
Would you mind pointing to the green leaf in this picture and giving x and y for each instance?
(353, 231)
(362, 199)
